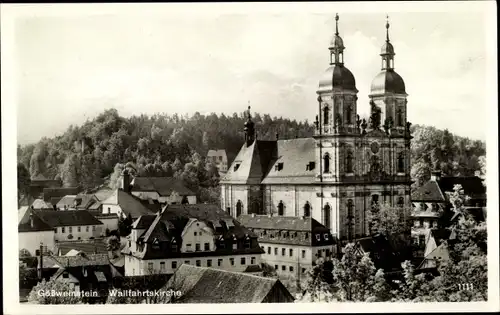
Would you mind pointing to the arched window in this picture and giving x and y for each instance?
(375, 164)
(375, 202)
(399, 117)
(348, 113)
(239, 208)
(307, 210)
(327, 216)
(326, 113)
(349, 166)
(281, 208)
(326, 159)
(401, 163)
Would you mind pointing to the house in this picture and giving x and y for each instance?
(387, 253)
(345, 169)
(54, 195)
(291, 244)
(85, 272)
(200, 234)
(71, 225)
(77, 202)
(431, 207)
(209, 285)
(219, 158)
(165, 190)
(124, 204)
(32, 231)
(37, 185)
(109, 220)
(40, 204)
(93, 246)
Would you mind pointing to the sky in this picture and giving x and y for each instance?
(70, 67)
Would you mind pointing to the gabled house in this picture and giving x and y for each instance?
(209, 285)
(201, 234)
(32, 231)
(54, 195)
(85, 272)
(431, 207)
(72, 225)
(50, 226)
(219, 158)
(386, 253)
(291, 244)
(94, 246)
(77, 202)
(123, 204)
(165, 190)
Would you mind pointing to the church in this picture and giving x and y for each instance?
(347, 167)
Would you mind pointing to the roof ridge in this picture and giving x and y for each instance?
(274, 280)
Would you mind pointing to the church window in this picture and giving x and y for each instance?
(374, 204)
(349, 166)
(239, 207)
(307, 210)
(348, 118)
(401, 202)
(326, 113)
(327, 163)
(401, 163)
(327, 216)
(399, 117)
(281, 208)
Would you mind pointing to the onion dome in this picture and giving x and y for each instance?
(337, 75)
(387, 81)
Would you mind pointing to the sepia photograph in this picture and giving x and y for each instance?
(334, 154)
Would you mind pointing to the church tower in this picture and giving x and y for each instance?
(388, 91)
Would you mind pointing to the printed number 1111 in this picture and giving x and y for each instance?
(466, 286)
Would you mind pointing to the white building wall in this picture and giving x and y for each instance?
(301, 258)
(108, 223)
(111, 208)
(78, 232)
(31, 240)
(197, 233)
(137, 267)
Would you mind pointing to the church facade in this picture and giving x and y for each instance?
(348, 167)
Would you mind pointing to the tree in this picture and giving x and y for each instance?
(36, 295)
(113, 243)
(389, 220)
(125, 225)
(23, 181)
(69, 171)
(354, 276)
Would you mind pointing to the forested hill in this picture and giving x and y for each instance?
(163, 144)
(158, 140)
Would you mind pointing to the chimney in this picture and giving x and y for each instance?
(31, 220)
(41, 262)
(477, 173)
(436, 176)
(125, 181)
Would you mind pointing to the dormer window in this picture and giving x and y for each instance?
(278, 166)
(310, 166)
(318, 237)
(326, 236)
(236, 166)
(247, 242)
